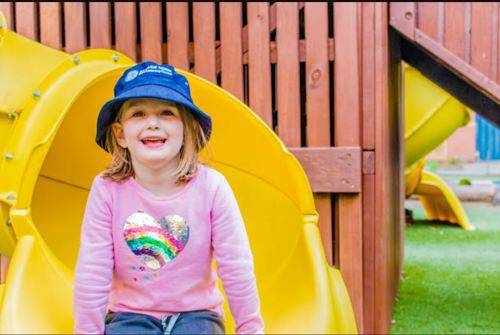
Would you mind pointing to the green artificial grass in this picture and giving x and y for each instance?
(451, 277)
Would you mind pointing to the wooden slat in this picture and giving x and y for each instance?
(331, 169)
(318, 103)
(287, 69)
(26, 24)
(178, 34)
(403, 18)
(8, 11)
(454, 21)
(125, 28)
(151, 35)
(259, 60)
(231, 48)
(317, 81)
(347, 133)
(347, 97)
(204, 40)
(428, 13)
(481, 37)
(100, 25)
(75, 27)
(368, 75)
(50, 24)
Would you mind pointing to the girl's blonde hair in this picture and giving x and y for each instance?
(120, 168)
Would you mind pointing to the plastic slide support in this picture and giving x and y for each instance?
(431, 116)
(439, 201)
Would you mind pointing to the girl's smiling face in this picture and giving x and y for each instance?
(152, 131)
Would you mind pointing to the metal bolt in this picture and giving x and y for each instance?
(116, 57)
(9, 222)
(10, 197)
(9, 155)
(10, 115)
(36, 94)
(76, 59)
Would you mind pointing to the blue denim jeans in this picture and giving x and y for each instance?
(193, 322)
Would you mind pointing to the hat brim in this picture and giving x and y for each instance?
(108, 112)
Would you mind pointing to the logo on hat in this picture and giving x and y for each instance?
(156, 69)
(131, 75)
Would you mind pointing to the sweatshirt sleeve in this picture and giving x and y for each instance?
(235, 261)
(94, 266)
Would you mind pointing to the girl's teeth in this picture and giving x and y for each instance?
(153, 143)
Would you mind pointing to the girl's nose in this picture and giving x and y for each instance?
(152, 121)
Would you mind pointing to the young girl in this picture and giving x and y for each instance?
(156, 217)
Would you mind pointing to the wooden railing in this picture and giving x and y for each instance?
(464, 36)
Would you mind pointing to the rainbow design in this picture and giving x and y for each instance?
(156, 243)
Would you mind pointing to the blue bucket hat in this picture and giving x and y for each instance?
(149, 80)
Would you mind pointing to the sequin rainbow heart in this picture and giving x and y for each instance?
(156, 243)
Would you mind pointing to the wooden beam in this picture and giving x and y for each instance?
(331, 169)
(456, 84)
(467, 71)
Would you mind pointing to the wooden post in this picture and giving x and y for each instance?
(348, 133)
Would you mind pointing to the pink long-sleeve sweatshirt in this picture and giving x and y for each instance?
(151, 254)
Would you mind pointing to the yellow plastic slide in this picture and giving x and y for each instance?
(431, 116)
(49, 102)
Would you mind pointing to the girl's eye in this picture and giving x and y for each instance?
(167, 112)
(138, 113)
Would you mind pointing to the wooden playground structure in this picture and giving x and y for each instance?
(326, 77)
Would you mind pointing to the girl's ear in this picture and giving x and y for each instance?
(118, 132)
